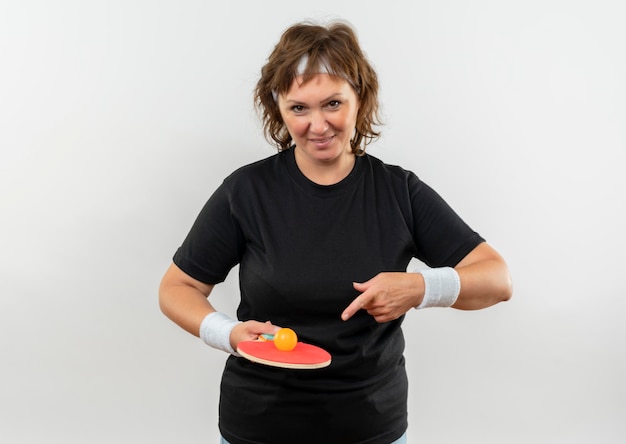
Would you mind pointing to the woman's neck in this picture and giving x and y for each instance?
(327, 172)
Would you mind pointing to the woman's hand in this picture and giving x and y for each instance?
(484, 276)
(250, 331)
(387, 296)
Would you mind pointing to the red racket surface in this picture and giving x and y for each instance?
(304, 356)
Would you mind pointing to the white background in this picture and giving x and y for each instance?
(119, 118)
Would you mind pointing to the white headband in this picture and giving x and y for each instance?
(304, 61)
(300, 70)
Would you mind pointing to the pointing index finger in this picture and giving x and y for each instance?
(357, 304)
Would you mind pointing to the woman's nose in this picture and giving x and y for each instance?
(318, 124)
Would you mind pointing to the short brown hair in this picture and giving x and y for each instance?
(335, 47)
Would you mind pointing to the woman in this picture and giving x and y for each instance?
(323, 234)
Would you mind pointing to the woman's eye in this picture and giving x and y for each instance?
(334, 104)
(297, 108)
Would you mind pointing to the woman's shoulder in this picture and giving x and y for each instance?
(258, 169)
(391, 171)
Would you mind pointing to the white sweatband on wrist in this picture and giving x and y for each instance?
(215, 331)
(441, 287)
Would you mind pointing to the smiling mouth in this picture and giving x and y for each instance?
(322, 140)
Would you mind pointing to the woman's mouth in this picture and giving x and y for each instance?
(321, 142)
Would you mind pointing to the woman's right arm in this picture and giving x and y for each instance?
(184, 300)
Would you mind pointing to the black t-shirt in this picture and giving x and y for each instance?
(300, 246)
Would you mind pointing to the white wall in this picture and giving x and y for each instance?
(119, 118)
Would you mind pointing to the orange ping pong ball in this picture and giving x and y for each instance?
(285, 339)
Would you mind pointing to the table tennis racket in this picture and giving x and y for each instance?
(303, 356)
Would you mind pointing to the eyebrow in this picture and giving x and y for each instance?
(327, 99)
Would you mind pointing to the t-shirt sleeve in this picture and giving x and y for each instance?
(214, 244)
(442, 237)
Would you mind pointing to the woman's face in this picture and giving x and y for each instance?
(320, 116)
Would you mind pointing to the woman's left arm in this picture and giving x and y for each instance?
(485, 279)
(484, 276)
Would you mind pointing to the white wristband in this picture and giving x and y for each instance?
(215, 331)
(441, 287)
